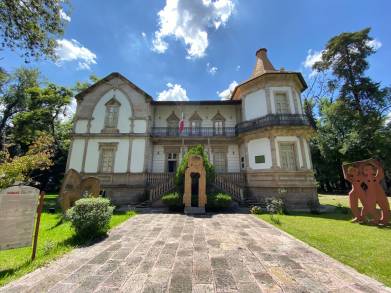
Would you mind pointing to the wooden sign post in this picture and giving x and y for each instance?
(39, 212)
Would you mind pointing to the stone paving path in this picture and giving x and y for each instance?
(178, 253)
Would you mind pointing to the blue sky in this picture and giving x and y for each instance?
(204, 46)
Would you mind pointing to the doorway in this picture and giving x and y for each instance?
(171, 162)
(195, 177)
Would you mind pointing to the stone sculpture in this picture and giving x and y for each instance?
(195, 166)
(365, 177)
(74, 188)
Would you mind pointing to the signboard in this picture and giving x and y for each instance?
(18, 205)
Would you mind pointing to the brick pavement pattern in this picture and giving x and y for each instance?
(178, 253)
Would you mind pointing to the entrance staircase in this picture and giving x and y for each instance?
(158, 184)
(231, 183)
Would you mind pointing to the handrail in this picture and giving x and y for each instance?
(192, 132)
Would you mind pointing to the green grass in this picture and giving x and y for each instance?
(365, 248)
(55, 239)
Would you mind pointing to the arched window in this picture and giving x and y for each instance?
(112, 111)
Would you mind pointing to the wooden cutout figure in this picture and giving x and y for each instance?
(74, 188)
(367, 173)
(373, 175)
(352, 174)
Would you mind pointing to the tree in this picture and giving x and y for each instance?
(45, 107)
(351, 125)
(20, 168)
(31, 26)
(13, 95)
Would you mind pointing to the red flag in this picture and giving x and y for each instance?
(181, 124)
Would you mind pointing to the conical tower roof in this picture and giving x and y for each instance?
(263, 64)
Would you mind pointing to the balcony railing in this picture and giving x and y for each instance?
(193, 132)
(265, 121)
(272, 120)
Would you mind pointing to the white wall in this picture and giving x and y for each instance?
(81, 126)
(125, 112)
(158, 159)
(293, 139)
(255, 105)
(206, 113)
(76, 157)
(259, 147)
(138, 155)
(140, 126)
(121, 157)
(233, 158)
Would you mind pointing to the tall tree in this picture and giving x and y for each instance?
(351, 126)
(31, 26)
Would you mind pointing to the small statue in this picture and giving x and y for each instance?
(365, 177)
(352, 174)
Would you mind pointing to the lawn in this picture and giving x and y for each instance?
(55, 239)
(365, 248)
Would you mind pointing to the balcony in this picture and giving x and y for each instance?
(272, 120)
(193, 132)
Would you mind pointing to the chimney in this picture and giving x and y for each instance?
(263, 64)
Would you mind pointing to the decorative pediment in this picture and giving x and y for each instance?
(173, 117)
(218, 117)
(113, 102)
(195, 117)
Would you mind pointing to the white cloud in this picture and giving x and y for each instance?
(144, 35)
(64, 16)
(226, 94)
(311, 59)
(174, 92)
(374, 44)
(212, 70)
(237, 67)
(189, 21)
(72, 50)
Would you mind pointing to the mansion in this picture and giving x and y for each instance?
(257, 140)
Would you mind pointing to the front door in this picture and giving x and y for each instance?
(171, 163)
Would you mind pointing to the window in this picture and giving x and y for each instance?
(242, 162)
(171, 162)
(195, 127)
(219, 159)
(282, 103)
(112, 111)
(288, 156)
(173, 124)
(259, 159)
(218, 127)
(107, 157)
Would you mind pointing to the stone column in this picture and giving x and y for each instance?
(273, 151)
(268, 101)
(301, 143)
(187, 193)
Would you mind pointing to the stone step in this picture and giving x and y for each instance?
(194, 211)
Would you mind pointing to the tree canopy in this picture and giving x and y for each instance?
(31, 26)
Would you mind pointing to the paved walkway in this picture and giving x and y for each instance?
(177, 253)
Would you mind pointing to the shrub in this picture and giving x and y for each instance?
(90, 217)
(256, 210)
(275, 206)
(173, 200)
(219, 201)
(209, 169)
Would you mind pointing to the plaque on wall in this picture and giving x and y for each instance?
(18, 206)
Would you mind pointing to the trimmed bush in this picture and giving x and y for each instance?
(209, 168)
(256, 210)
(173, 200)
(275, 206)
(90, 217)
(219, 201)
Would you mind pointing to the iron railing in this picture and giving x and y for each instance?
(265, 121)
(272, 120)
(193, 132)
